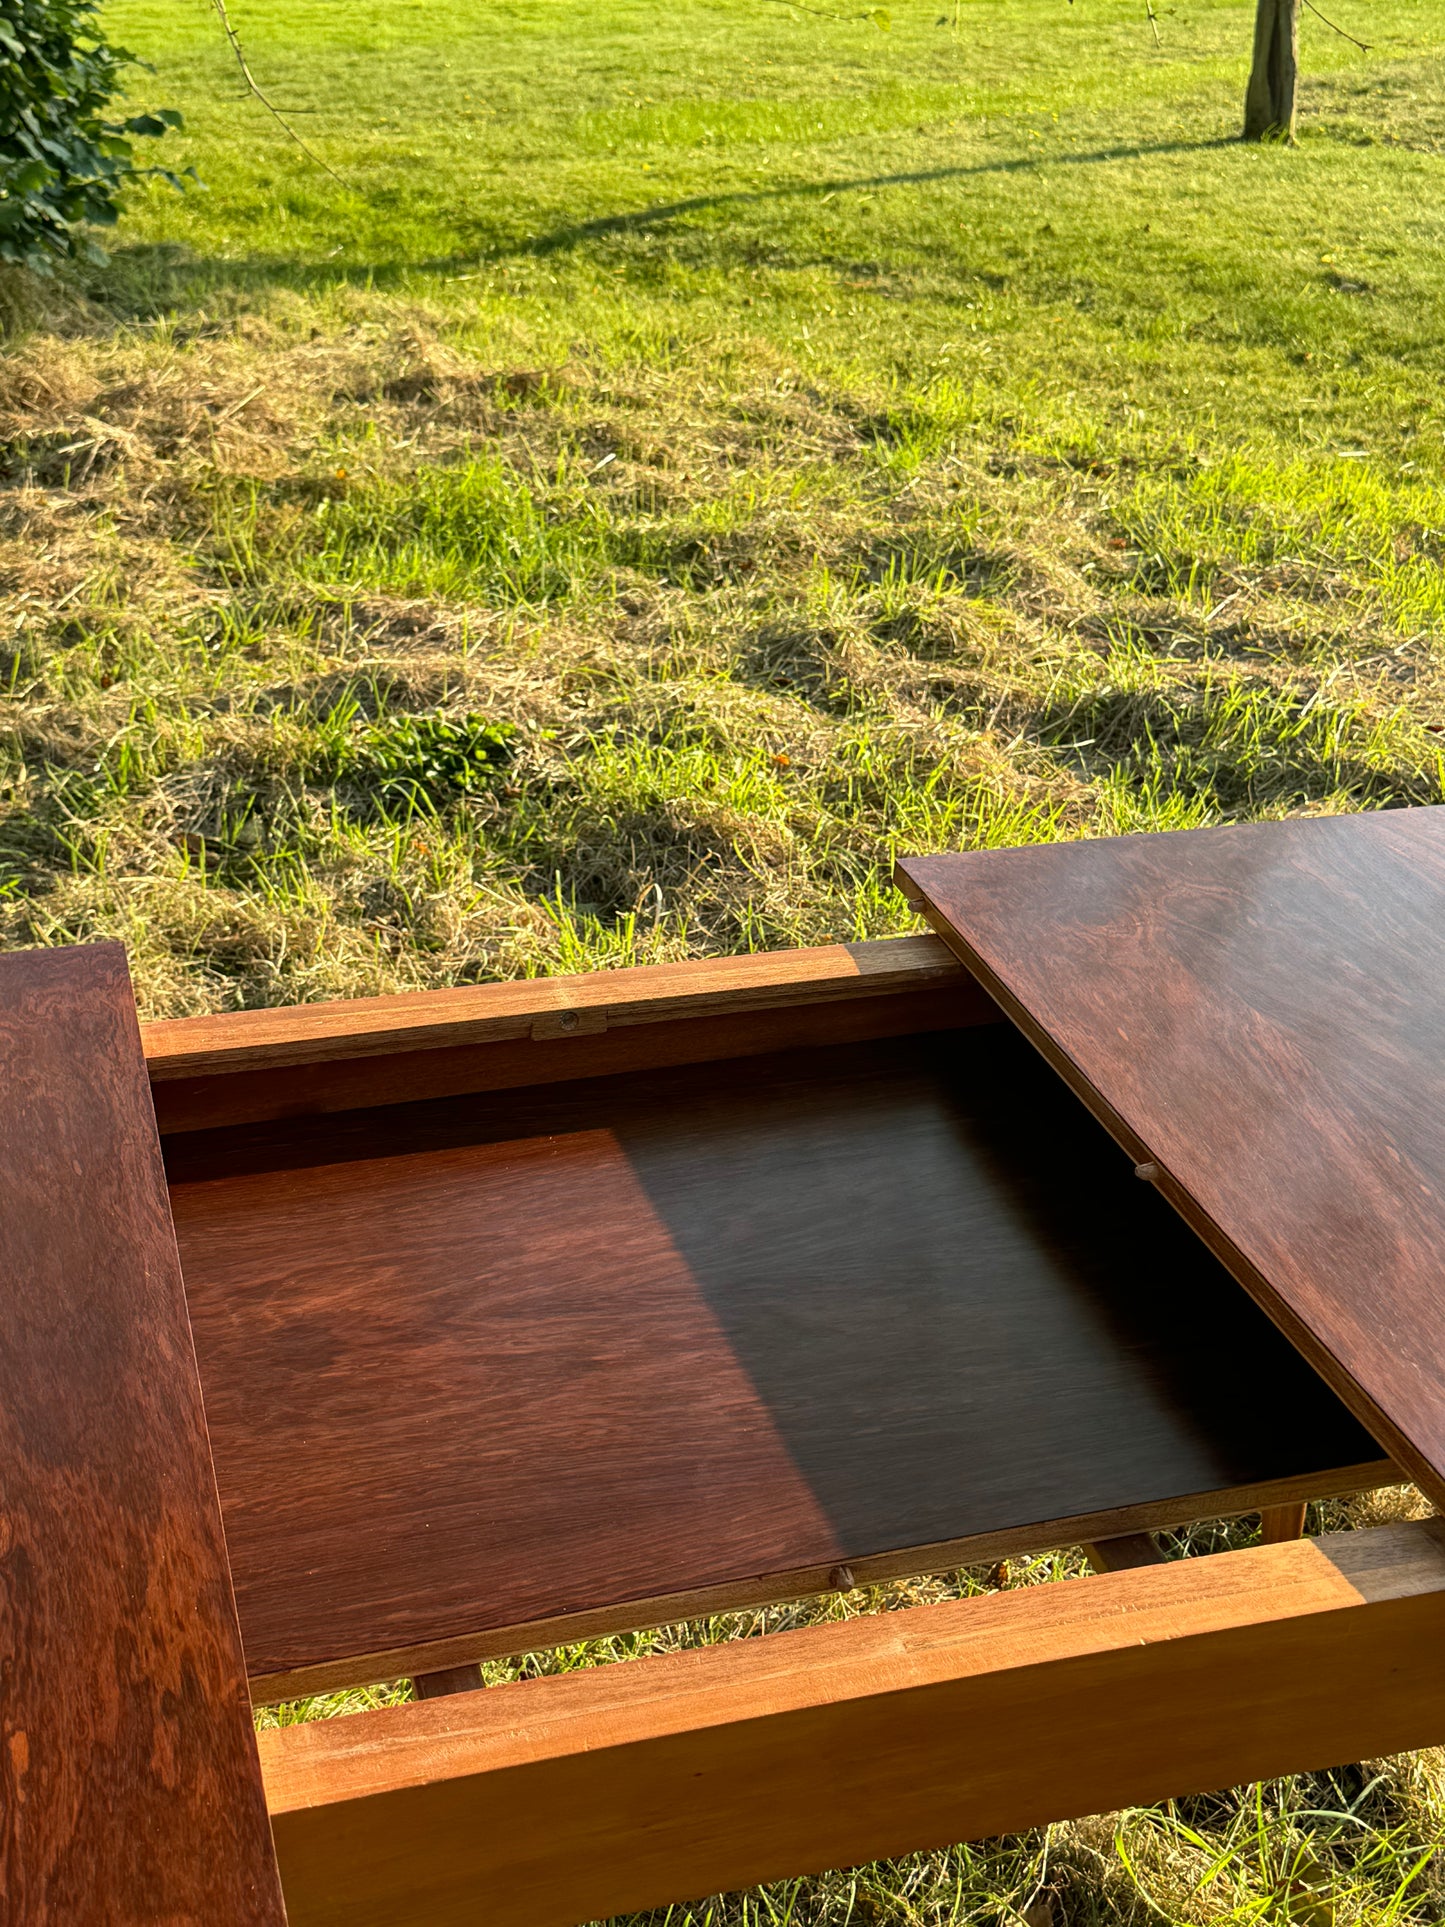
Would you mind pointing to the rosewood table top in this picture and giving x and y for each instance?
(1257, 1013)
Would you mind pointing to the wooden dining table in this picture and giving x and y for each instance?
(348, 1343)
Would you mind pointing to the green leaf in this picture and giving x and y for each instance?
(63, 163)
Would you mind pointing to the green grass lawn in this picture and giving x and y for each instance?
(691, 454)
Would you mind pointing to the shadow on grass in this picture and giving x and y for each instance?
(153, 279)
(1188, 746)
(649, 217)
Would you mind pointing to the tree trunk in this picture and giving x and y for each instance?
(1269, 101)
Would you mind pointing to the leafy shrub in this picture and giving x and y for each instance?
(62, 160)
(427, 759)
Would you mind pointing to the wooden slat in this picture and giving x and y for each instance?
(1258, 1014)
(540, 1007)
(1280, 1522)
(404, 1076)
(1123, 1554)
(500, 1369)
(553, 1801)
(129, 1787)
(451, 1679)
(463, 1651)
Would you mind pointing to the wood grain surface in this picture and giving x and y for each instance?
(1122, 1555)
(539, 1007)
(475, 1364)
(218, 1098)
(1259, 1013)
(130, 1791)
(550, 1801)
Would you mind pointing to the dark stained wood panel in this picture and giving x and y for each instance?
(130, 1789)
(1259, 1013)
(475, 1363)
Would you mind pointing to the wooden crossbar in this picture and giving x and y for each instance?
(571, 1798)
(541, 1007)
(252, 1065)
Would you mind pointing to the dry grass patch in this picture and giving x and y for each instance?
(750, 641)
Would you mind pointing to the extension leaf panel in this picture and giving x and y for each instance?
(650, 1345)
(1257, 1013)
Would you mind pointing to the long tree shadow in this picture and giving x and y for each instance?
(665, 211)
(163, 277)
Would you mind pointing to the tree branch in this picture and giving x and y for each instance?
(271, 108)
(1339, 30)
(821, 13)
